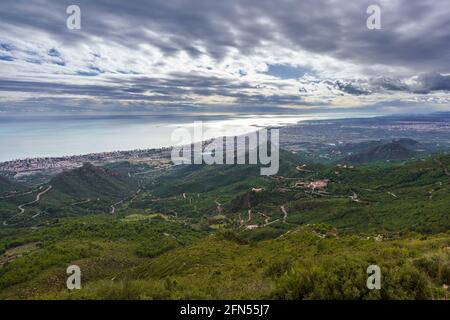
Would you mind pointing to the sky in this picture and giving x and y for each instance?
(229, 56)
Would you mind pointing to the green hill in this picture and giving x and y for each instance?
(7, 185)
(388, 198)
(225, 232)
(89, 181)
(310, 262)
(205, 178)
(396, 150)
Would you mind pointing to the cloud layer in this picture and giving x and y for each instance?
(202, 55)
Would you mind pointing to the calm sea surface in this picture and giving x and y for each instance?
(22, 137)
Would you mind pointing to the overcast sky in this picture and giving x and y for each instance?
(224, 56)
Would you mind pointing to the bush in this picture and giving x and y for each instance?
(232, 236)
(405, 282)
(336, 279)
(277, 268)
(328, 281)
(121, 290)
(152, 250)
(436, 267)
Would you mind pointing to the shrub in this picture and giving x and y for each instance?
(232, 236)
(152, 250)
(277, 268)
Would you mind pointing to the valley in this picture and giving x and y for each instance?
(139, 231)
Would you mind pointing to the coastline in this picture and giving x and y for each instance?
(158, 155)
(238, 125)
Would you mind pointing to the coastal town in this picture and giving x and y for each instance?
(57, 164)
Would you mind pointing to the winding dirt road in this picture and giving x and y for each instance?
(13, 195)
(21, 206)
(392, 194)
(219, 206)
(285, 215)
(38, 197)
(447, 173)
(283, 209)
(354, 197)
(113, 206)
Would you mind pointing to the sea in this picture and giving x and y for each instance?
(24, 137)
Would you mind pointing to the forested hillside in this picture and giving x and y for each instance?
(225, 232)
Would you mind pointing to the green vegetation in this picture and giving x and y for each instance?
(8, 186)
(225, 232)
(302, 264)
(393, 151)
(92, 182)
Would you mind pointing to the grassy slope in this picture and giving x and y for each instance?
(299, 265)
(280, 261)
(84, 190)
(392, 197)
(90, 181)
(106, 244)
(393, 151)
(204, 178)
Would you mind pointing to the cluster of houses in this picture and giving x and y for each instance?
(317, 184)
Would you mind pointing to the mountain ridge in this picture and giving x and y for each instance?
(395, 150)
(90, 181)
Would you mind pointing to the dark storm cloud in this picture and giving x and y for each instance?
(422, 84)
(433, 82)
(157, 90)
(414, 41)
(353, 88)
(413, 33)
